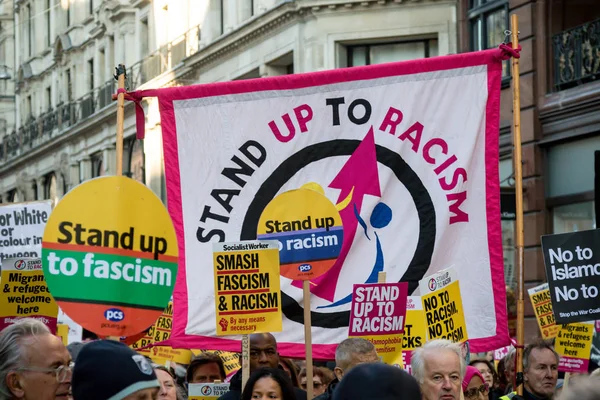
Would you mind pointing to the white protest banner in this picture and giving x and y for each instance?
(573, 270)
(22, 227)
(407, 152)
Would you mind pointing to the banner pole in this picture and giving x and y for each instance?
(120, 77)
(308, 339)
(245, 360)
(518, 165)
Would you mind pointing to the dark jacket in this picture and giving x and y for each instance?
(526, 396)
(328, 395)
(235, 389)
(377, 382)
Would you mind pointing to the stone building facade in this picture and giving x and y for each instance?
(560, 122)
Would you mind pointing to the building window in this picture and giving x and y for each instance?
(49, 98)
(91, 74)
(377, 53)
(96, 165)
(488, 19)
(91, 7)
(144, 38)
(50, 186)
(68, 13)
(29, 32)
(69, 86)
(574, 217)
(48, 34)
(571, 201)
(29, 108)
(133, 160)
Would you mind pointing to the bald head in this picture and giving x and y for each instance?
(263, 351)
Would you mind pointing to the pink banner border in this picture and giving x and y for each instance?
(491, 58)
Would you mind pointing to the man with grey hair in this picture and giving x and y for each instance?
(540, 370)
(34, 364)
(439, 368)
(350, 353)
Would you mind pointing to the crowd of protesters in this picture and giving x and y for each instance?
(35, 365)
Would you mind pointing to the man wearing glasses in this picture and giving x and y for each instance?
(263, 354)
(34, 364)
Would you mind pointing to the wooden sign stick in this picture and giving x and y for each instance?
(245, 360)
(308, 339)
(120, 76)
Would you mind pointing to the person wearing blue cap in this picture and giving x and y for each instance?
(109, 370)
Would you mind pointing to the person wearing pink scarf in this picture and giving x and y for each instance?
(474, 386)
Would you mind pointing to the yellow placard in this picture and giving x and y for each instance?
(207, 391)
(247, 294)
(415, 330)
(542, 306)
(388, 347)
(62, 331)
(161, 331)
(574, 346)
(25, 293)
(442, 305)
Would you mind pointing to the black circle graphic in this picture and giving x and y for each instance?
(426, 211)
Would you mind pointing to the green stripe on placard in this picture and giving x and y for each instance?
(102, 280)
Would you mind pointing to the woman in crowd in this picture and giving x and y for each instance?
(474, 386)
(486, 368)
(320, 380)
(269, 384)
(168, 387)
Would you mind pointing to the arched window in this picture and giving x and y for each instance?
(97, 165)
(50, 186)
(134, 160)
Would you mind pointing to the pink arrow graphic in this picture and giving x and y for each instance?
(358, 173)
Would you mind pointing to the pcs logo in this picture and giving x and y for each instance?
(114, 315)
(304, 267)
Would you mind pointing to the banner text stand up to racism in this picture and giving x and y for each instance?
(518, 168)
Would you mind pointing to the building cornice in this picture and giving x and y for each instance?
(60, 139)
(282, 15)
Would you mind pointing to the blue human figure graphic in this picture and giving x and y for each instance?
(380, 218)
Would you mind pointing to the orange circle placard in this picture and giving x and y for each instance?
(309, 230)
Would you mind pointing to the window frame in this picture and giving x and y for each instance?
(480, 13)
(369, 45)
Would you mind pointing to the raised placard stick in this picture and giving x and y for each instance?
(308, 339)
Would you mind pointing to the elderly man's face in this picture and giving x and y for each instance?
(442, 379)
(37, 380)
